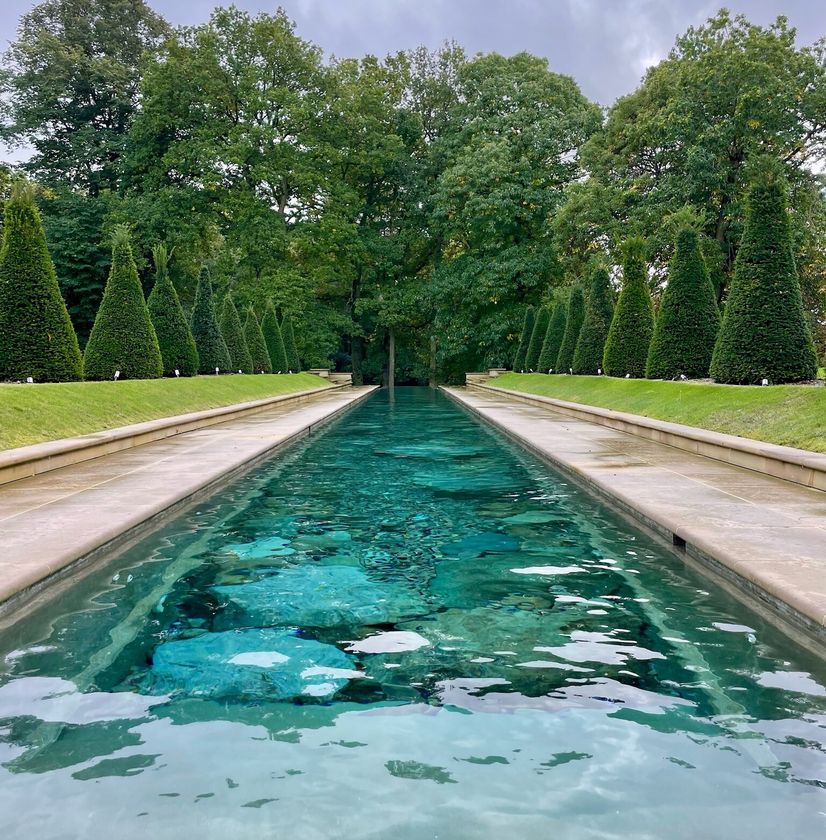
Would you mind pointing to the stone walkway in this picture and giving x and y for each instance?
(51, 520)
(763, 535)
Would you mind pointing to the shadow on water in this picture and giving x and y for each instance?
(398, 627)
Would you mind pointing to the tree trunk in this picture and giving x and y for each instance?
(434, 344)
(391, 362)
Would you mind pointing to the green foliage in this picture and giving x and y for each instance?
(540, 327)
(273, 339)
(293, 361)
(553, 337)
(36, 336)
(177, 346)
(689, 318)
(212, 349)
(123, 338)
(525, 339)
(233, 335)
(764, 332)
(629, 336)
(256, 344)
(599, 311)
(574, 317)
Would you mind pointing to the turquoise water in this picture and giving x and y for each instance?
(405, 628)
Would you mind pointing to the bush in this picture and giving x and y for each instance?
(123, 338)
(540, 327)
(37, 338)
(573, 324)
(177, 346)
(689, 318)
(233, 335)
(293, 361)
(599, 310)
(212, 349)
(256, 344)
(274, 340)
(764, 332)
(629, 336)
(553, 338)
(524, 340)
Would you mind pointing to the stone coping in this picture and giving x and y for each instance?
(761, 539)
(57, 526)
(26, 461)
(786, 462)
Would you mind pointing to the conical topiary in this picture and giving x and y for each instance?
(689, 318)
(553, 338)
(233, 334)
(599, 310)
(37, 338)
(540, 327)
(629, 336)
(177, 346)
(287, 334)
(524, 340)
(212, 349)
(274, 340)
(123, 338)
(256, 344)
(573, 324)
(764, 334)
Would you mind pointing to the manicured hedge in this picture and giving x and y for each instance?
(212, 349)
(553, 338)
(37, 338)
(123, 338)
(764, 334)
(177, 346)
(290, 348)
(274, 340)
(524, 340)
(629, 337)
(255, 343)
(599, 310)
(573, 324)
(233, 335)
(540, 327)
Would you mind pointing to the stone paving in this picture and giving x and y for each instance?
(763, 535)
(51, 520)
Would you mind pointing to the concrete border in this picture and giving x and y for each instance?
(28, 461)
(795, 616)
(68, 569)
(786, 462)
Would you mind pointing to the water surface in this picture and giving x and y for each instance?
(405, 627)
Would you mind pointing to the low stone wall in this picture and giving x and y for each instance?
(785, 462)
(26, 461)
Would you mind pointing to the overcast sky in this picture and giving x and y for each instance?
(604, 44)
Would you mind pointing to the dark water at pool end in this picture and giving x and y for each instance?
(406, 627)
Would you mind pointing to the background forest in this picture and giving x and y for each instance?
(423, 198)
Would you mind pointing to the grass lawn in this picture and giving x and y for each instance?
(791, 415)
(36, 413)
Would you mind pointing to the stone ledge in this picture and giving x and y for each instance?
(785, 462)
(27, 461)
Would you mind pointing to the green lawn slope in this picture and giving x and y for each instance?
(36, 413)
(790, 415)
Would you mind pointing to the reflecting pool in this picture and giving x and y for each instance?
(405, 627)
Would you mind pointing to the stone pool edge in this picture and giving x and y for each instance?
(52, 578)
(774, 604)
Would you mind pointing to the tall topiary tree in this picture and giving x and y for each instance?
(764, 332)
(573, 324)
(629, 336)
(689, 318)
(599, 310)
(274, 340)
(177, 346)
(524, 340)
(212, 349)
(256, 344)
(233, 335)
(36, 336)
(293, 361)
(540, 327)
(123, 338)
(553, 338)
